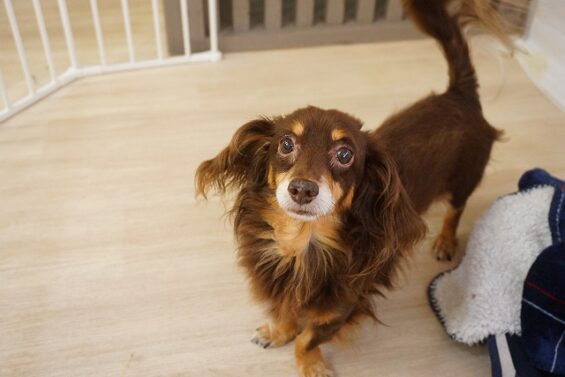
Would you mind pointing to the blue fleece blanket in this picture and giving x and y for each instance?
(543, 299)
(539, 351)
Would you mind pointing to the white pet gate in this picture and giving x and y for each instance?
(35, 92)
(48, 45)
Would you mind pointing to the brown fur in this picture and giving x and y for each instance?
(446, 141)
(318, 277)
(446, 241)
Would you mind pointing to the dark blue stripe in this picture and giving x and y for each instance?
(495, 368)
(557, 216)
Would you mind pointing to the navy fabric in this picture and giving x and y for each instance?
(557, 216)
(518, 355)
(543, 299)
(520, 359)
(543, 310)
(495, 368)
(537, 177)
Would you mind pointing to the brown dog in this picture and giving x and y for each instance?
(324, 211)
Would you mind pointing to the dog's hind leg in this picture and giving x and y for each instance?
(467, 177)
(445, 244)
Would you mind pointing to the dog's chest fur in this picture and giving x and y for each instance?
(292, 258)
(293, 237)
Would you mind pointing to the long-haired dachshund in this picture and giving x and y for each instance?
(324, 210)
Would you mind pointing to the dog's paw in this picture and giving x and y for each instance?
(444, 247)
(318, 369)
(266, 337)
(262, 337)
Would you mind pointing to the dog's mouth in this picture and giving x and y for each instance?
(301, 214)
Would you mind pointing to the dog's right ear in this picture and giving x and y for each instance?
(243, 161)
(383, 222)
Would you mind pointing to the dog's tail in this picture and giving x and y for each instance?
(443, 20)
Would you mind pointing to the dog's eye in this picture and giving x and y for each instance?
(344, 156)
(286, 146)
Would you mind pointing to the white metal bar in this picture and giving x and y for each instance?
(98, 31)
(42, 92)
(4, 93)
(213, 22)
(185, 26)
(19, 44)
(72, 74)
(44, 38)
(68, 32)
(156, 23)
(127, 24)
(147, 64)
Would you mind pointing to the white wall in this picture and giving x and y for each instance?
(545, 40)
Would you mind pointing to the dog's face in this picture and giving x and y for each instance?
(314, 160)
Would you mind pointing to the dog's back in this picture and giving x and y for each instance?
(442, 143)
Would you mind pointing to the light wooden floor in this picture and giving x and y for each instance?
(108, 265)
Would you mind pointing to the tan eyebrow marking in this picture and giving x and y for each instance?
(297, 128)
(338, 134)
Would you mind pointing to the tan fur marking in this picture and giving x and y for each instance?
(297, 128)
(348, 199)
(322, 318)
(335, 188)
(338, 134)
(282, 176)
(310, 363)
(450, 222)
(337, 194)
(445, 244)
(293, 236)
(271, 178)
(279, 333)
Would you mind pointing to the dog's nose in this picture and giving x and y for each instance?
(302, 191)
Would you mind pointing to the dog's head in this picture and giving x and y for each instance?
(316, 162)
(311, 159)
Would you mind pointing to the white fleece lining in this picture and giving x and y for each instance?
(482, 296)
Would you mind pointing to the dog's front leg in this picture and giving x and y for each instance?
(321, 328)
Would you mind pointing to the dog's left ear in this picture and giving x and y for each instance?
(243, 161)
(385, 222)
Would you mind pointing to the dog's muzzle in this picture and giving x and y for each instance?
(304, 199)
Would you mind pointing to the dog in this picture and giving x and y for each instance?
(325, 211)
